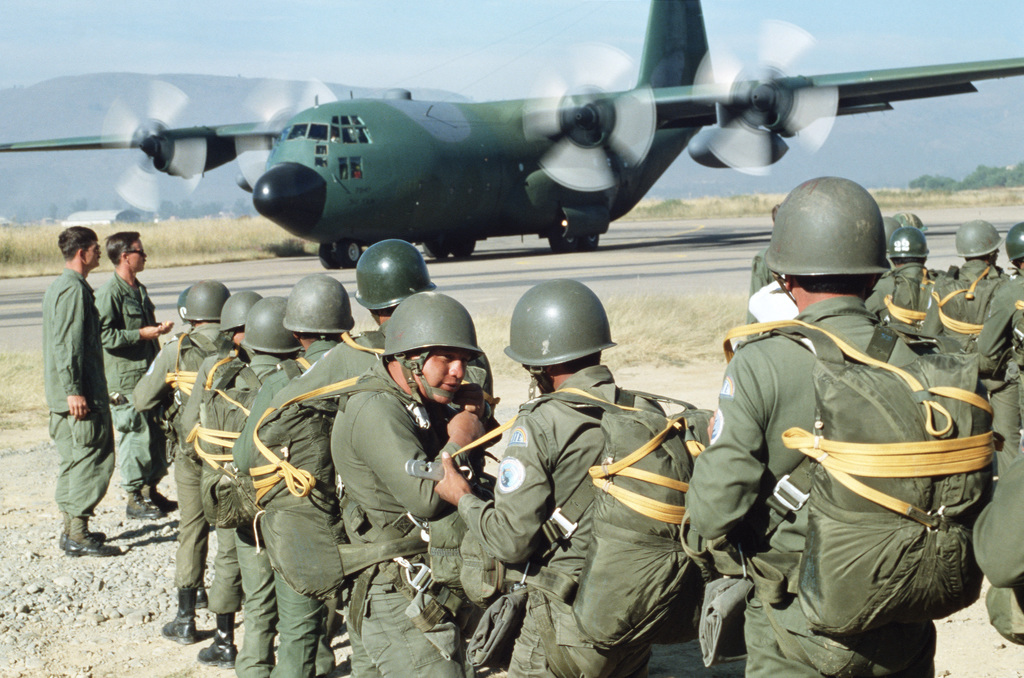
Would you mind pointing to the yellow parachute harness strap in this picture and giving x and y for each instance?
(216, 366)
(225, 439)
(347, 339)
(179, 379)
(603, 476)
(298, 481)
(951, 323)
(931, 406)
(303, 363)
(904, 315)
(487, 437)
(1019, 305)
(901, 460)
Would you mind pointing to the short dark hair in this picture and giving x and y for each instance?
(119, 243)
(74, 238)
(856, 285)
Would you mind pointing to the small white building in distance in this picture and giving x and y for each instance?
(101, 217)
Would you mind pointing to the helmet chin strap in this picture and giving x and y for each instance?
(412, 368)
(540, 381)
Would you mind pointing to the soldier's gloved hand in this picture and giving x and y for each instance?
(464, 428)
(453, 486)
(471, 398)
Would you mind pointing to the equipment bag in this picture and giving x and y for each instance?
(909, 300)
(904, 466)
(962, 310)
(637, 584)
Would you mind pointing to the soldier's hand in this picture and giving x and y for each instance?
(166, 326)
(78, 407)
(471, 398)
(453, 486)
(149, 332)
(464, 428)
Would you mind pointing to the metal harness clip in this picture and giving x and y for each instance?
(789, 495)
(418, 581)
(564, 523)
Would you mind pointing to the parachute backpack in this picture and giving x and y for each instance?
(903, 469)
(962, 310)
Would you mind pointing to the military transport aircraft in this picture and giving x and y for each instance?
(561, 165)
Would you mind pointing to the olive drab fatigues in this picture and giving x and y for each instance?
(124, 310)
(768, 389)
(902, 295)
(1002, 386)
(995, 345)
(160, 388)
(551, 448)
(376, 432)
(72, 355)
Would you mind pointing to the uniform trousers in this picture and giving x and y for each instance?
(256, 655)
(226, 590)
(140, 447)
(85, 450)
(193, 530)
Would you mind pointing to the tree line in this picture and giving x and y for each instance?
(982, 177)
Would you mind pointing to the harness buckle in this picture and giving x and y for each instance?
(789, 495)
(564, 523)
(418, 581)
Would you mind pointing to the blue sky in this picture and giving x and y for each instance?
(483, 49)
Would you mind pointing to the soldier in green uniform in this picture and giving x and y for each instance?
(402, 409)
(212, 414)
(76, 393)
(962, 301)
(168, 384)
(272, 349)
(387, 273)
(828, 246)
(559, 329)
(129, 332)
(904, 293)
(996, 343)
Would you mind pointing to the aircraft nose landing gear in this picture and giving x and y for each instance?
(340, 254)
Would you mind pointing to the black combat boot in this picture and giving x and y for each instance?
(80, 542)
(183, 628)
(160, 501)
(141, 508)
(223, 651)
(202, 599)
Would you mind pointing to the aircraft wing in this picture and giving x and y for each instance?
(222, 133)
(858, 92)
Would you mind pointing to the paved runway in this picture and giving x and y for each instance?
(677, 257)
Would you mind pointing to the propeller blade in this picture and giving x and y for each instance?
(119, 125)
(314, 94)
(166, 102)
(602, 66)
(782, 44)
(635, 122)
(580, 169)
(138, 187)
(742, 147)
(719, 71)
(541, 119)
(189, 158)
(812, 115)
(252, 154)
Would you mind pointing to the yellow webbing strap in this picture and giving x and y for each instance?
(347, 339)
(182, 380)
(900, 460)
(225, 439)
(303, 363)
(216, 366)
(952, 324)
(931, 406)
(1019, 305)
(487, 437)
(904, 315)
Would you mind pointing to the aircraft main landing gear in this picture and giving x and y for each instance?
(560, 244)
(442, 247)
(341, 254)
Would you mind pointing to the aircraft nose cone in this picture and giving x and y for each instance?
(292, 196)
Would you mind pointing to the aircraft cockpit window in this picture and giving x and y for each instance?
(335, 133)
(348, 135)
(357, 167)
(350, 168)
(318, 132)
(298, 131)
(353, 130)
(343, 168)
(364, 138)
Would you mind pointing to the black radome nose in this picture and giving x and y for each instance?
(292, 196)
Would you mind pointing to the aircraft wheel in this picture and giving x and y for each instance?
(436, 248)
(589, 243)
(348, 253)
(562, 245)
(463, 248)
(328, 257)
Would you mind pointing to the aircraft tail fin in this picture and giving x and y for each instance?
(675, 45)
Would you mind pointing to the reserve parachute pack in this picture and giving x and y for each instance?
(900, 466)
(909, 300)
(229, 391)
(191, 350)
(963, 304)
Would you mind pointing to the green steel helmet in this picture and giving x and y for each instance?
(429, 319)
(910, 220)
(1015, 242)
(907, 241)
(318, 304)
(976, 239)
(388, 272)
(264, 328)
(205, 300)
(890, 224)
(828, 226)
(555, 322)
(236, 309)
(181, 302)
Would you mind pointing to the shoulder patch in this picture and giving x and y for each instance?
(728, 389)
(717, 424)
(518, 437)
(511, 474)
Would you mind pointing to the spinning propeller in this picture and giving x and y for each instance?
(595, 123)
(761, 105)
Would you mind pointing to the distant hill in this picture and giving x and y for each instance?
(947, 136)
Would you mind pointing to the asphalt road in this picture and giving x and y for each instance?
(680, 257)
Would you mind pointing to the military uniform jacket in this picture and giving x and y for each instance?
(332, 364)
(997, 544)
(551, 447)
(768, 389)
(153, 389)
(376, 432)
(996, 339)
(72, 352)
(123, 311)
